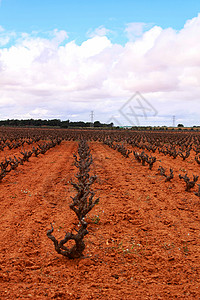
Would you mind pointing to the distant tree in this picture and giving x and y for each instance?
(54, 122)
(97, 124)
(180, 125)
(65, 124)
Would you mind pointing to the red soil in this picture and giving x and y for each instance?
(143, 240)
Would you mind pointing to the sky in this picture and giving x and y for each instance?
(129, 62)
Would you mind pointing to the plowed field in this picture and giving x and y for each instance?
(143, 240)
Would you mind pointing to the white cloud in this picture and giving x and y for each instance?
(5, 37)
(99, 31)
(4, 41)
(135, 29)
(59, 36)
(39, 112)
(53, 77)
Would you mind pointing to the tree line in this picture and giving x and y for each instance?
(53, 122)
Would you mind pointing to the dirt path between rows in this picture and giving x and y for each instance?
(143, 240)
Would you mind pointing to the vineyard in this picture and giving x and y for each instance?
(99, 214)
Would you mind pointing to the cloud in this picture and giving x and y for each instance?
(136, 29)
(5, 37)
(48, 77)
(59, 36)
(99, 31)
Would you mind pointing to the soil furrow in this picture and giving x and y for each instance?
(143, 240)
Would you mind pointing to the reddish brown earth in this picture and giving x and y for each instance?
(143, 240)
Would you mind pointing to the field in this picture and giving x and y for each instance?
(143, 240)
